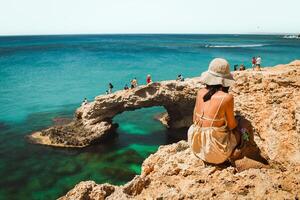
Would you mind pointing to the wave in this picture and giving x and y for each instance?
(235, 46)
(291, 36)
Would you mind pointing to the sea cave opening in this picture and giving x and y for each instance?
(143, 127)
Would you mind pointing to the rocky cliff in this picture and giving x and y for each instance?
(270, 99)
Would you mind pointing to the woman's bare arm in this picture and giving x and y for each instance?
(231, 122)
(198, 99)
(195, 107)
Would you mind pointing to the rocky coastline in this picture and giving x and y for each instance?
(270, 99)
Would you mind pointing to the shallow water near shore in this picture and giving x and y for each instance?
(45, 77)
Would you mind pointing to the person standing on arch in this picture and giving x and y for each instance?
(133, 83)
(110, 87)
(148, 79)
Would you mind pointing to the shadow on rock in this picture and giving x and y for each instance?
(247, 154)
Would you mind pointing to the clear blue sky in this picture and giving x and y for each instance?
(18, 17)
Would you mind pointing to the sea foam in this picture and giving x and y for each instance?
(236, 46)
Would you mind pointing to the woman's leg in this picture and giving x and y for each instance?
(244, 127)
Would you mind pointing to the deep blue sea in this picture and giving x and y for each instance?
(47, 77)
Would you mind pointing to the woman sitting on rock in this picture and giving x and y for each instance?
(214, 134)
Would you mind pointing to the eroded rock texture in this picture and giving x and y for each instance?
(94, 121)
(270, 100)
(173, 172)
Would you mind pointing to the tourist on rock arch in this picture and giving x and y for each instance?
(216, 134)
(84, 102)
(110, 87)
(133, 83)
(148, 79)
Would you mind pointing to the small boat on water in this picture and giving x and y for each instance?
(292, 36)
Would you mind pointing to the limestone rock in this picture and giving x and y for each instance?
(136, 186)
(88, 190)
(80, 192)
(94, 122)
(177, 174)
(270, 100)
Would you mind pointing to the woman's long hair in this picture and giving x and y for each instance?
(212, 89)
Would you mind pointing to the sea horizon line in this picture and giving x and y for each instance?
(137, 34)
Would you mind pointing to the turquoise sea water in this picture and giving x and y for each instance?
(44, 77)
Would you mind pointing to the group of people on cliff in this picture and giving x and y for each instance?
(134, 83)
(256, 64)
(239, 68)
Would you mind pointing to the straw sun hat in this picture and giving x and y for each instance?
(218, 73)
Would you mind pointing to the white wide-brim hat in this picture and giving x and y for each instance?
(218, 73)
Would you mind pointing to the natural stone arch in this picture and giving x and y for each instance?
(175, 97)
(94, 121)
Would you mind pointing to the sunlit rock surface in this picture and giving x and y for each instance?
(94, 122)
(270, 100)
